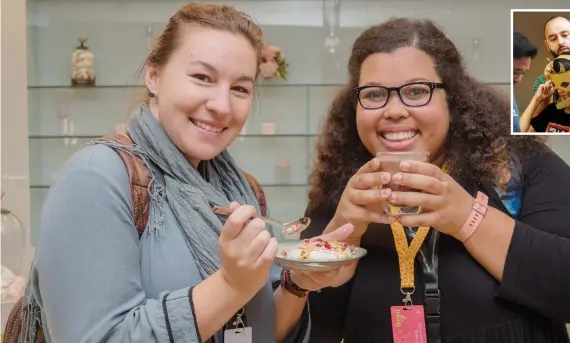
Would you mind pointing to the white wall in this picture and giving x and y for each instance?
(14, 165)
(14, 110)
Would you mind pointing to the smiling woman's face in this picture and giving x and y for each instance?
(204, 92)
(397, 127)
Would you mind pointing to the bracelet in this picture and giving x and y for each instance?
(475, 218)
(290, 286)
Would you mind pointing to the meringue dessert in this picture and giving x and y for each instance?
(317, 250)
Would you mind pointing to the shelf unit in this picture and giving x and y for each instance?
(62, 118)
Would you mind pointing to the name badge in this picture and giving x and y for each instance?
(408, 324)
(239, 335)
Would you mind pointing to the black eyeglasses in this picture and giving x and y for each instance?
(414, 94)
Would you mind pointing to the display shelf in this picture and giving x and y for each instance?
(260, 84)
(239, 136)
(259, 156)
(121, 41)
(94, 111)
(90, 112)
(62, 118)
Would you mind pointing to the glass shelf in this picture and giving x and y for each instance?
(293, 135)
(63, 118)
(260, 84)
(96, 111)
(47, 156)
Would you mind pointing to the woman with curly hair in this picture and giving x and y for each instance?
(494, 264)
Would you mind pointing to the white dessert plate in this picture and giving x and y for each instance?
(286, 260)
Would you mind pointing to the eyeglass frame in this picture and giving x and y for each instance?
(432, 87)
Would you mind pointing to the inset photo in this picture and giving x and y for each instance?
(541, 71)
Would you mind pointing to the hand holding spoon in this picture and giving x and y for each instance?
(288, 229)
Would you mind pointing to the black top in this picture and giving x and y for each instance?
(530, 305)
(551, 119)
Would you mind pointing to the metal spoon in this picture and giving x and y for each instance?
(288, 229)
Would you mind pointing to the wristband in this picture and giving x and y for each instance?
(475, 218)
(290, 286)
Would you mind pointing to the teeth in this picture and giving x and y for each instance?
(206, 126)
(398, 136)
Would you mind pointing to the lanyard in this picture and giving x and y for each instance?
(428, 259)
(408, 244)
(406, 257)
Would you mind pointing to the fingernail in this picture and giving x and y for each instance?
(385, 178)
(404, 165)
(385, 192)
(397, 178)
(374, 163)
(392, 197)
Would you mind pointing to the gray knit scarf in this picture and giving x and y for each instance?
(189, 192)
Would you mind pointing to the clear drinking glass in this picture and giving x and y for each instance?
(390, 163)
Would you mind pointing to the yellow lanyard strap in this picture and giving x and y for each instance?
(407, 253)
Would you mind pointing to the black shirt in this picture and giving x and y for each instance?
(531, 304)
(551, 119)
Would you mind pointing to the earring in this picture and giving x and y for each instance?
(152, 93)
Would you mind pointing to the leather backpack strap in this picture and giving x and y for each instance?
(258, 192)
(139, 179)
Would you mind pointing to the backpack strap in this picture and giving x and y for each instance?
(258, 192)
(139, 179)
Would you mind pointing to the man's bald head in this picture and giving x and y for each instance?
(557, 35)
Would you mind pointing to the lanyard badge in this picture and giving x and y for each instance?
(240, 333)
(408, 321)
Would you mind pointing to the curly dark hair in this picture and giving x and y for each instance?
(478, 144)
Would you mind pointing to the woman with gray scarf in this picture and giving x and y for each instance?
(191, 272)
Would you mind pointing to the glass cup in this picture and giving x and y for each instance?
(390, 163)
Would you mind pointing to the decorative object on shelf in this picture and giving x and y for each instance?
(82, 73)
(273, 63)
(331, 18)
(268, 128)
(476, 48)
(66, 122)
(283, 172)
(13, 238)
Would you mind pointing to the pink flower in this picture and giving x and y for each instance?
(268, 52)
(268, 69)
(278, 54)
